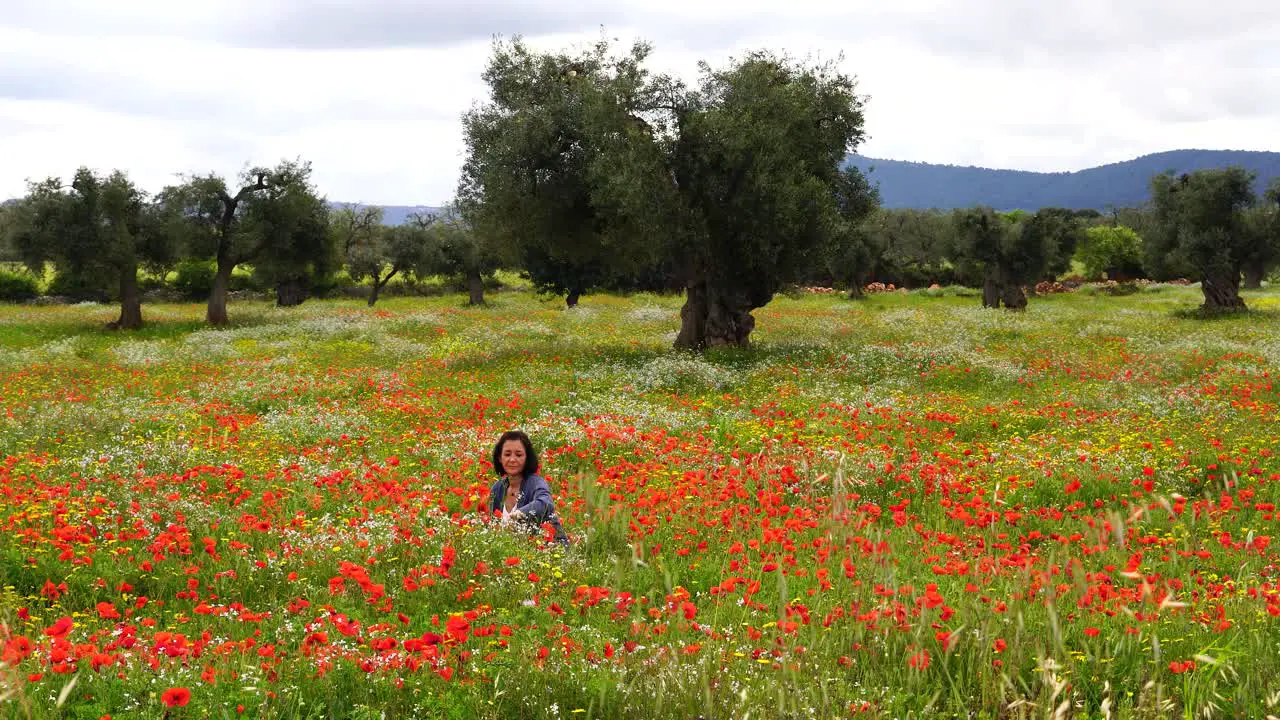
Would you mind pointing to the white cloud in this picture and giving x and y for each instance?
(158, 88)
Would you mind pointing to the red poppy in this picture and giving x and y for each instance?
(60, 628)
(176, 697)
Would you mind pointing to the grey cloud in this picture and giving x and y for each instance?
(1245, 95)
(1025, 32)
(93, 18)
(1013, 32)
(1227, 78)
(364, 24)
(1255, 97)
(202, 103)
(27, 78)
(1226, 62)
(309, 24)
(10, 126)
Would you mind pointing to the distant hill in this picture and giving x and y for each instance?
(393, 214)
(924, 185)
(1124, 184)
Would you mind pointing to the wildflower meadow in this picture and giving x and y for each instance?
(905, 506)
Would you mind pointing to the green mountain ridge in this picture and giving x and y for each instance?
(918, 185)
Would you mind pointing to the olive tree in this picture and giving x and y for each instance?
(853, 252)
(456, 249)
(98, 228)
(9, 214)
(1200, 218)
(1262, 226)
(1013, 250)
(289, 221)
(604, 170)
(540, 152)
(757, 162)
(1061, 231)
(211, 221)
(379, 252)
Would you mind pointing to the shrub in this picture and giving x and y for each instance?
(77, 287)
(1111, 287)
(195, 278)
(331, 284)
(1112, 252)
(17, 286)
(148, 282)
(244, 278)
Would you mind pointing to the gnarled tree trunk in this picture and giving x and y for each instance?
(1221, 289)
(1254, 272)
(292, 292)
(1012, 296)
(713, 317)
(379, 283)
(475, 286)
(130, 300)
(216, 313)
(859, 280)
(991, 288)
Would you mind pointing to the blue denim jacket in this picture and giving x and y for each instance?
(534, 501)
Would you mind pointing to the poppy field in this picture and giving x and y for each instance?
(900, 507)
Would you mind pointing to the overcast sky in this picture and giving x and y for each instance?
(371, 91)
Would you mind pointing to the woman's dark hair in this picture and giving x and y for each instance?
(530, 455)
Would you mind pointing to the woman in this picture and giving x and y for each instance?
(521, 494)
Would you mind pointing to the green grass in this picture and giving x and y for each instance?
(905, 506)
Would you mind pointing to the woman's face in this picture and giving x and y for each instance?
(513, 457)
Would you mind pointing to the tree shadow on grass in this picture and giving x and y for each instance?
(1200, 312)
(585, 353)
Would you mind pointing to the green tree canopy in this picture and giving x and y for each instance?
(458, 250)
(1013, 250)
(8, 223)
(379, 252)
(289, 221)
(1110, 251)
(546, 153)
(1262, 228)
(1200, 218)
(594, 170)
(97, 229)
(212, 222)
(757, 165)
(912, 247)
(1061, 230)
(852, 252)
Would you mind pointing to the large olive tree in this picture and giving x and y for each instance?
(542, 153)
(1013, 250)
(757, 163)
(1200, 218)
(594, 167)
(244, 227)
(100, 228)
(1262, 223)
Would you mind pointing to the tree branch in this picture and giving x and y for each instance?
(229, 205)
(387, 279)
